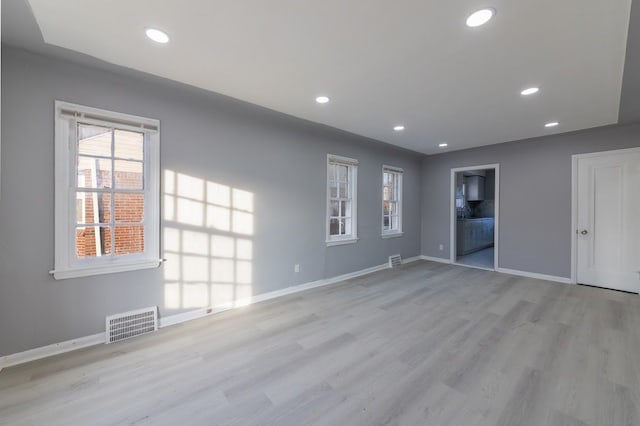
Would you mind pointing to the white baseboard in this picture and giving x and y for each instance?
(435, 259)
(474, 267)
(183, 317)
(535, 275)
(50, 350)
(508, 271)
(411, 259)
(96, 339)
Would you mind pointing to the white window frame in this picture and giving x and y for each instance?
(352, 167)
(398, 172)
(67, 265)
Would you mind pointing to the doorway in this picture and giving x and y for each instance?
(606, 220)
(474, 216)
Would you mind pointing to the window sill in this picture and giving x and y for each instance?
(341, 242)
(392, 235)
(63, 274)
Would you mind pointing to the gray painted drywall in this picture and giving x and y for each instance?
(282, 160)
(535, 195)
(630, 95)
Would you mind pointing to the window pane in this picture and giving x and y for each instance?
(333, 190)
(391, 192)
(129, 207)
(333, 208)
(129, 239)
(93, 207)
(342, 173)
(94, 140)
(340, 204)
(128, 174)
(394, 222)
(391, 179)
(331, 173)
(343, 187)
(129, 145)
(92, 241)
(94, 172)
(345, 224)
(80, 208)
(343, 208)
(334, 227)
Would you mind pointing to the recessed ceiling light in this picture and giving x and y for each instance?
(551, 124)
(480, 17)
(443, 145)
(157, 35)
(529, 91)
(398, 128)
(322, 99)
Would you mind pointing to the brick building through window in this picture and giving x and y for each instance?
(109, 205)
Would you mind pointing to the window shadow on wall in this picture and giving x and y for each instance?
(208, 230)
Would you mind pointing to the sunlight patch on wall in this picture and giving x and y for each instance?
(206, 243)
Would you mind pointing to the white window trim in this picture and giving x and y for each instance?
(66, 263)
(391, 234)
(394, 233)
(333, 240)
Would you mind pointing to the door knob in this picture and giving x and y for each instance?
(584, 232)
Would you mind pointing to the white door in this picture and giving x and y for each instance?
(608, 220)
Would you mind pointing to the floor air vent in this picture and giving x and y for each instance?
(130, 324)
(395, 261)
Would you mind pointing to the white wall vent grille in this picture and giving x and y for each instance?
(395, 261)
(130, 324)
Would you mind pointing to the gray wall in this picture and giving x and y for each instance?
(630, 94)
(535, 195)
(282, 160)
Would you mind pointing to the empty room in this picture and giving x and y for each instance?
(331, 213)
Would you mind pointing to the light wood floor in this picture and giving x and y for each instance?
(426, 344)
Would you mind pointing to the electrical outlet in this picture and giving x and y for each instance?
(441, 247)
(296, 268)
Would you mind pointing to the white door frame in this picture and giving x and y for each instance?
(574, 201)
(453, 216)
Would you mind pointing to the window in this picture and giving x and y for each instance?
(106, 192)
(391, 201)
(342, 176)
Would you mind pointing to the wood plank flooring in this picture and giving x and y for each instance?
(425, 344)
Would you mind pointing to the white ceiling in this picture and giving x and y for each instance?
(382, 63)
